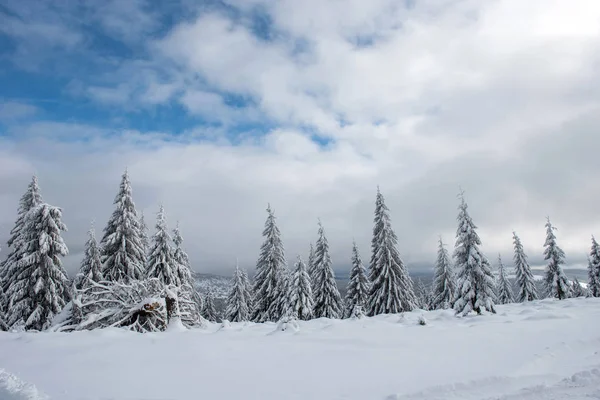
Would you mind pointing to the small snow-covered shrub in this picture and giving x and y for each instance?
(422, 321)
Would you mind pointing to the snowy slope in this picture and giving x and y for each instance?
(543, 350)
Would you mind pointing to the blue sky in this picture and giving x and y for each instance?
(217, 108)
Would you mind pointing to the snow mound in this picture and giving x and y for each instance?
(12, 388)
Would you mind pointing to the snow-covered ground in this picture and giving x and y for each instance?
(543, 350)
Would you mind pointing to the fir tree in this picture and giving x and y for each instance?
(282, 306)
(444, 283)
(475, 281)
(39, 287)
(161, 263)
(594, 269)
(91, 267)
(269, 269)
(577, 289)
(30, 199)
(423, 295)
(237, 303)
(357, 291)
(248, 291)
(300, 293)
(524, 277)
(327, 299)
(557, 284)
(391, 286)
(144, 236)
(311, 264)
(189, 299)
(123, 255)
(503, 287)
(209, 312)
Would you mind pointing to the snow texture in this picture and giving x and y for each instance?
(525, 281)
(327, 299)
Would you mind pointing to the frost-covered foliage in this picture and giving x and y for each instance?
(557, 284)
(248, 291)
(144, 235)
(30, 199)
(594, 269)
(475, 281)
(137, 305)
(444, 280)
(357, 291)
(269, 271)
(123, 256)
(391, 286)
(311, 263)
(282, 306)
(300, 292)
(38, 282)
(358, 312)
(578, 290)
(504, 291)
(423, 293)
(161, 262)
(237, 302)
(209, 311)
(190, 302)
(525, 283)
(91, 266)
(327, 299)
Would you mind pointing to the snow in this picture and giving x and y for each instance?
(544, 349)
(12, 388)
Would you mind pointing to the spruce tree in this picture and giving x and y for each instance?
(357, 291)
(526, 284)
(423, 294)
(504, 289)
(282, 306)
(190, 302)
(30, 199)
(237, 303)
(161, 262)
(209, 312)
(311, 264)
(300, 293)
(475, 281)
(444, 281)
(91, 267)
(594, 269)
(123, 255)
(557, 284)
(327, 299)
(39, 287)
(577, 289)
(144, 236)
(248, 291)
(269, 270)
(391, 285)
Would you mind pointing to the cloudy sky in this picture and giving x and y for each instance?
(219, 107)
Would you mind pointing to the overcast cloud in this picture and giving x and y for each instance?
(310, 105)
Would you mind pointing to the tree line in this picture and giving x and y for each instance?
(130, 280)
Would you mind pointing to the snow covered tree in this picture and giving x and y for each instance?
(327, 299)
(504, 289)
(475, 281)
(391, 285)
(526, 284)
(91, 267)
(357, 291)
(311, 264)
(144, 237)
(190, 302)
(423, 293)
(557, 284)
(237, 303)
(161, 262)
(30, 199)
(300, 293)
(444, 281)
(269, 270)
(578, 290)
(209, 312)
(282, 306)
(594, 269)
(39, 287)
(248, 291)
(123, 256)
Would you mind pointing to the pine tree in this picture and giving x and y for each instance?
(357, 291)
(39, 287)
(557, 284)
(91, 267)
(161, 263)
(123, 255)
(190, 302)
(144, 237)
(209, 312)
(524, 277)
(444, 281)
(300, 298)
(475, 281)
(30, 199)
(248, 291)
(391, 286)
(503, 287)
(594, 269)
(327, 299)
(269, 267)
(577, 289)
(311, 264)
(237, 303)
